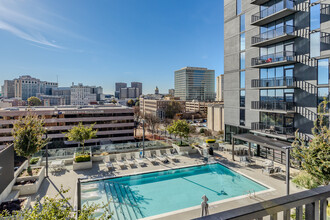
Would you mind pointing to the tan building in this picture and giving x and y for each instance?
(196, 106)
(215, 117)
(219, 87)
(114, 123)
(155, 106)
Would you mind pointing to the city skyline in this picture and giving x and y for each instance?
(141, 43)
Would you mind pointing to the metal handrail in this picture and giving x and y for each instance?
(275, 57)
(271, 34)
(273, 82)
(273, 105)
(261, 126)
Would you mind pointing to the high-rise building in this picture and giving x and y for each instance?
(276, 63)
(27, 86)
(85, 95)
(119, 86)
(8, 89)
(194, 83)
(219, 87)
(129, 93)
(137, 85)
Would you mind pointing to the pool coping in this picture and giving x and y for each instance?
(270, 189)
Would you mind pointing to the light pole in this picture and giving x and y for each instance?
(47, 154)
(143, 138)
(287, 164)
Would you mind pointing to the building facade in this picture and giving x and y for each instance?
(129, 93)
(276, 62)
(137, 85)
(194, 83)
(119, 86)
(215, 117)
(114, 123)
(8, 89)
(196, 106)
(219, 87)
(85, 95)
(156, 107)
(64, 92)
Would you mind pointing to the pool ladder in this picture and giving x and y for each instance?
(251, 193)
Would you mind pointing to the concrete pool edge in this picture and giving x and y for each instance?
(167, 214)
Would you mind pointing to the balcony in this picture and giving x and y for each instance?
(272, 60)
(280, 132)
(280, 10)
(286, 82)
(279, 34)
(259, 2)
(275, 106)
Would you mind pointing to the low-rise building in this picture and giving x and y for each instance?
(156, 107)
(196, 106)
(85, 95)
(114, 123)
(215, 117)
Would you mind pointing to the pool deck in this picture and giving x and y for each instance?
(68, 180)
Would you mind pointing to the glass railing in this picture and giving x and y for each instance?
(273, 105)
(274, 82)
(271, 34)
(289, 4)
(272, 58)
(272, 129)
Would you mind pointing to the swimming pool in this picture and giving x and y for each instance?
(149, 194)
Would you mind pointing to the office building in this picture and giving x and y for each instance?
(51, 100)
(85, 95)
(194, 83)
(64, 92)
(219, 87)
(114, 123)
(8, 89)
(156, 107)
(129, 93)
(276, 63)
(119, 86)
(137, 85)
(215, 117)
(197, 106)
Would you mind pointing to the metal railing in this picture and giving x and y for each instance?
(274, 82)
(310, 204)
(273, 105)
(271, 34)
(289, 4)
(272, 129)
(273, 58)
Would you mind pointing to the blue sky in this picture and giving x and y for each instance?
(100, 42)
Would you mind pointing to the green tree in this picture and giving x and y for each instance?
(114, 101)
(34, 101)
(28, 135)
(130, 102)
(81, 134)
(180, 128)
(314, 156)
(58, 208)
(172, 109)
(152, 122)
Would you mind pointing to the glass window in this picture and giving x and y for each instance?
(242, 41)
(238, 7)
(242, 98)
(321, 94)
(315, 46)
(315, 17)
(242, 61)
(242, 79)
(323, 71)
(242, 23)
(242, 117)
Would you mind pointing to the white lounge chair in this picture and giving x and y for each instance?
(161, 157)
(120, 161)
(108, 163)
(129, 159)
(140, 161)
(171, 156)
(150, 157)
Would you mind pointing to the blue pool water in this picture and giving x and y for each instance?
(145, 195)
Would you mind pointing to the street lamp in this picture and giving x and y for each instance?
(47, 154)
(287, 164)
(143, 137)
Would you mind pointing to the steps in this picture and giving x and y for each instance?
(122, 202)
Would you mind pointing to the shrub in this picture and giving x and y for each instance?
(202, 130)
(210, 141)
(34, 160)
(305, 180)
(82, 158)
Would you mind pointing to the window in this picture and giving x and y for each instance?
(315, 46)
(323, 71)
(242, 41)
(242, 23)
(242, 117)
(238, 7)
(315, 20)
(242, 98)
(321, 94)
(242, 80)
(242, 61)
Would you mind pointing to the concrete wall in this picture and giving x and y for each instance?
(7, 167)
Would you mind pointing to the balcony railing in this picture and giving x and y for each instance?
(274, 82)
(273, 105)
(273, 59)
(273, 35)
(309, 205)
(272, 129)
(259, 2)
(274, 9)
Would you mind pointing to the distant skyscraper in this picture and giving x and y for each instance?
(129, 93)
(219, 82)
(194, 83)
(137, 85)
(119, 86)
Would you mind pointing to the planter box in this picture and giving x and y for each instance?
(38, 163)
(82, 165)
(31, 188)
